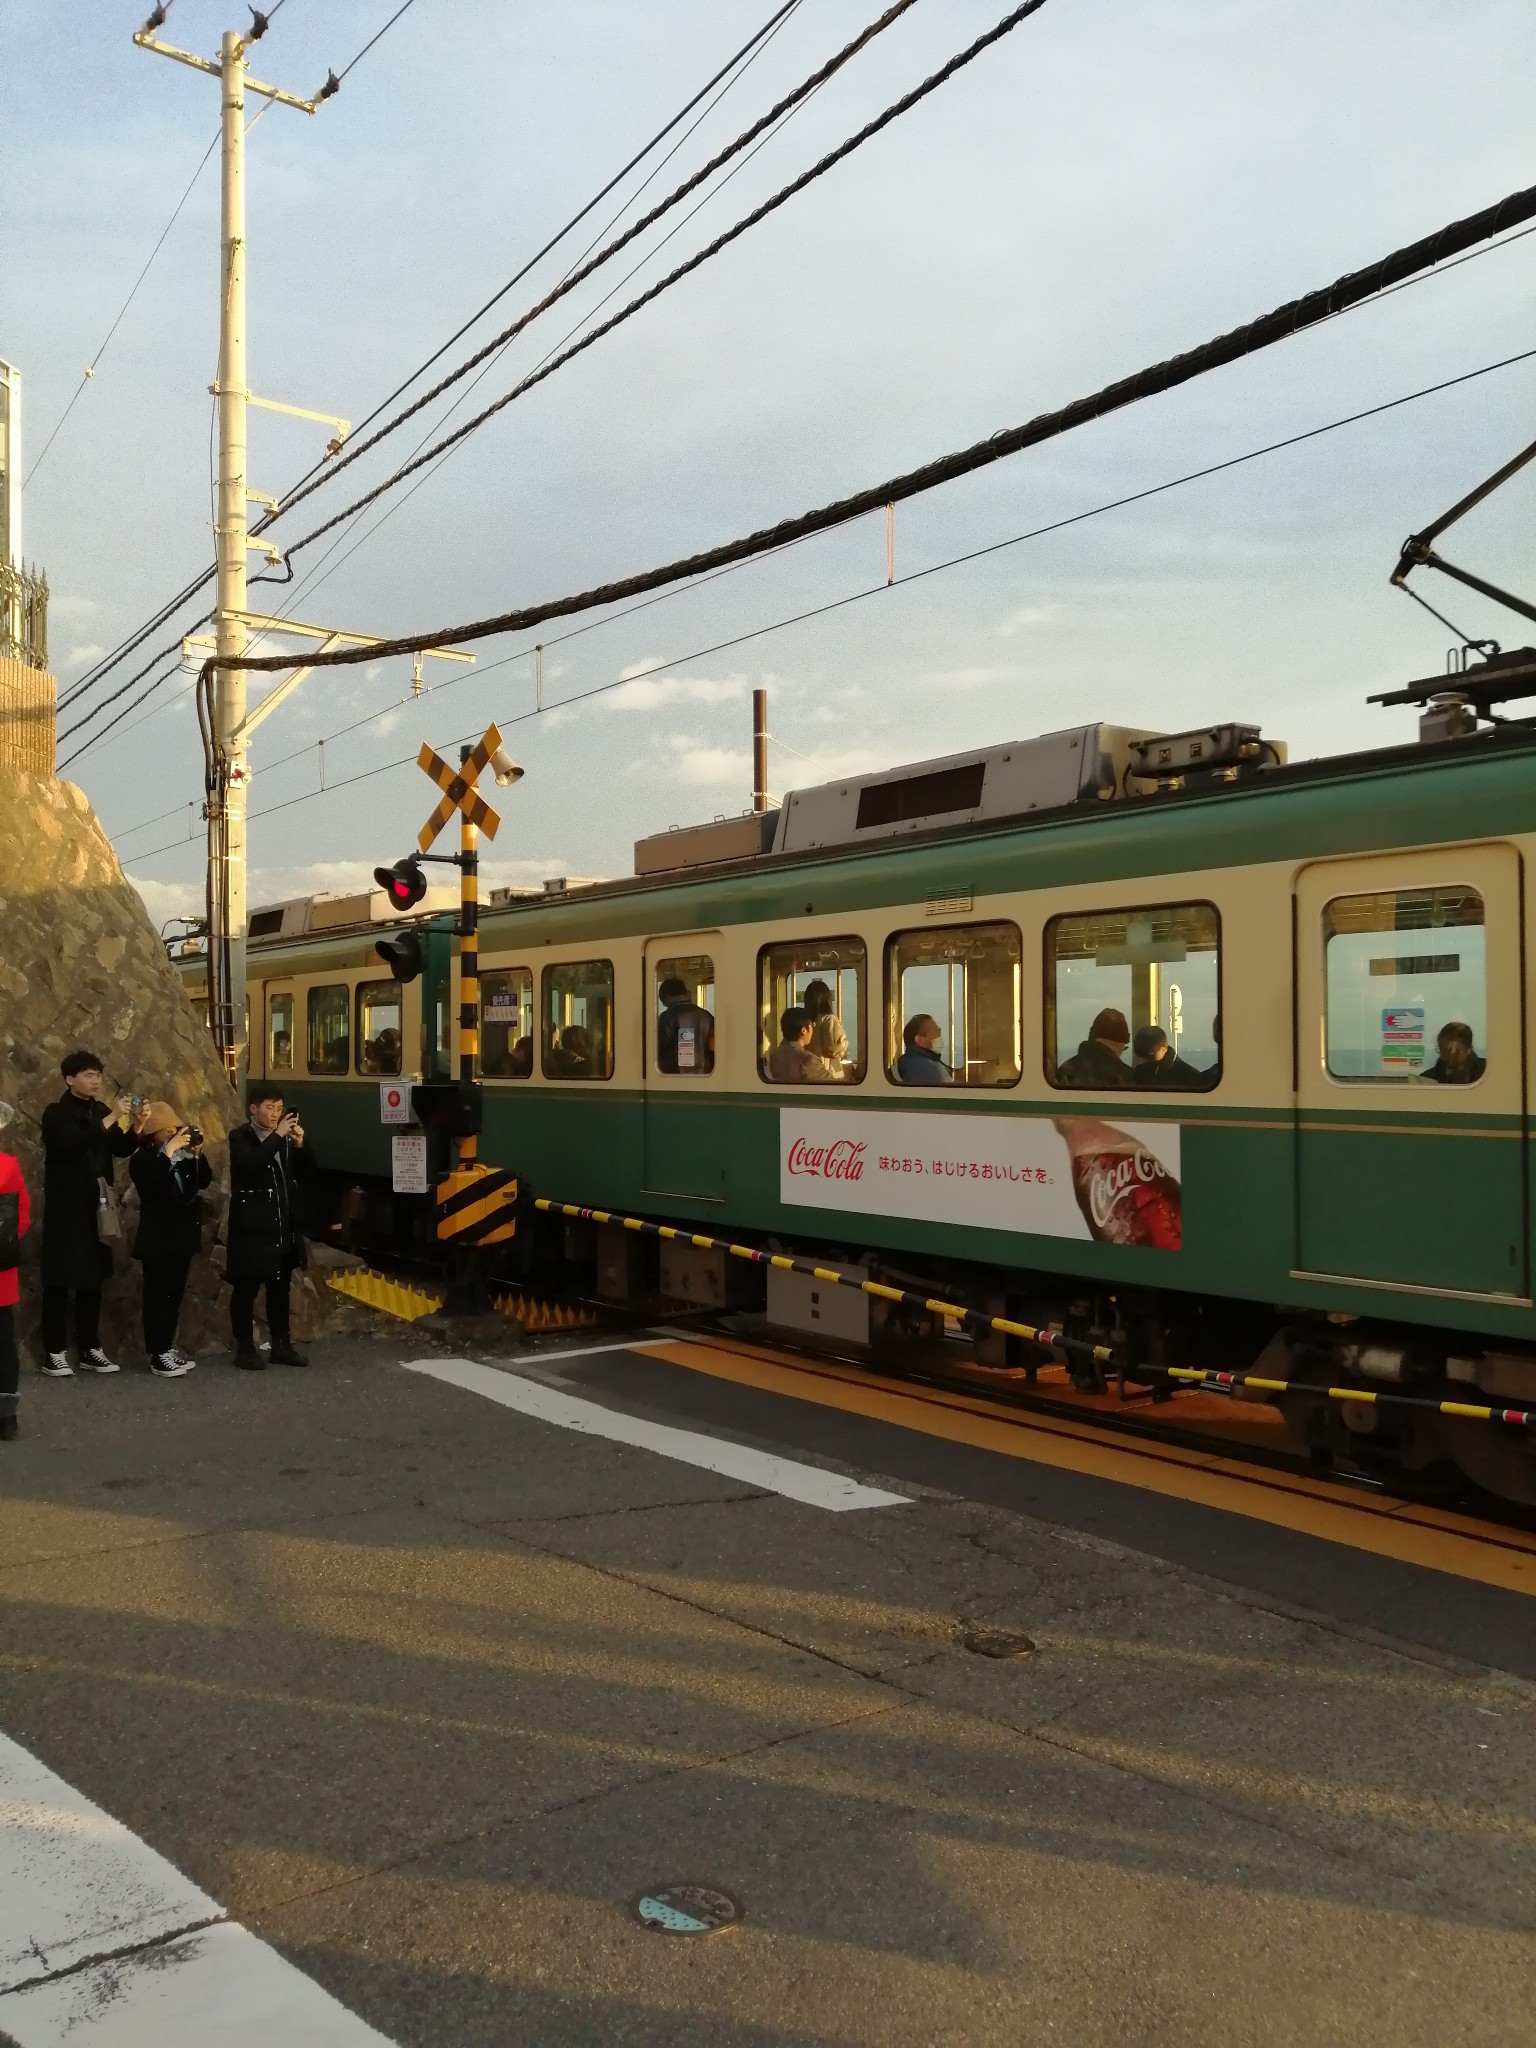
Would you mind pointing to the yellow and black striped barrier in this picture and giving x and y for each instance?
(975, 1318)
(476, 1205)
(1049, 1340)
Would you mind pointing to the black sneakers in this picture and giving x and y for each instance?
(285, 1354)
(250, 1361)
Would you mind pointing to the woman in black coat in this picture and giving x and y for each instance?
(170, 1173)
(265, 1232)
(82, 1142)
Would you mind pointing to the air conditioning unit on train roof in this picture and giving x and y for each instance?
(1084, 764)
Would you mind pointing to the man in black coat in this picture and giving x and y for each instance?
(170, 1173)
(82, 1142)
(265, 1232)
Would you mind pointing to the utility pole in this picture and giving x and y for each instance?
(759, 750)
(230, 719)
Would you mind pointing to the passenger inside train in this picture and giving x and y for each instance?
(1155, 1064)
(1099, 1061)
(1458, 1065)
(685, 1031)
(829, 1041)
(792, 1058)
(920, 1065)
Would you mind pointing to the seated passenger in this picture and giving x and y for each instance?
(792, 1058)
(384, 1053)
(1458, 1065)
(1155, 1064)
(282, 1050)
(573, 1055)
(519, 1061)
(1099, 1061)
(920, 1065)
(829, 1041)
(685, 1033)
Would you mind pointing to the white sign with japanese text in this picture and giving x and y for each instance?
(1076, 1177)
(408, 1163)
(394, 1102)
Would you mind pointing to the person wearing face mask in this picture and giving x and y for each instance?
(265, 1231)
(170, 1172)
(83, 1139)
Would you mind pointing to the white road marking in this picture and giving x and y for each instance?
(806, 1483)
(76, 1884)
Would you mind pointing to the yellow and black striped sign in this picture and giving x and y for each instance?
(477, 1204)
(458, 787)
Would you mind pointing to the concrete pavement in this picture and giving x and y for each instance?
(423, 1691)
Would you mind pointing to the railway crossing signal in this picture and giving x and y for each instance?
(476, 1204)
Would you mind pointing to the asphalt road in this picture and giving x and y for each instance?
(424, 1691)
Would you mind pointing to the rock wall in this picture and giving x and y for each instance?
(81, 964)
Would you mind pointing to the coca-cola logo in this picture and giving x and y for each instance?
(843, 1159)
(1108, 1183)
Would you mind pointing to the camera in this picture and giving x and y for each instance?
(194, 1137)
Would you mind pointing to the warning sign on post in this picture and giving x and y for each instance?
(408, 1162)
(394, 1102)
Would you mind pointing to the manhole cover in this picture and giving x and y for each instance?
(996, 1642)
(686, 1909)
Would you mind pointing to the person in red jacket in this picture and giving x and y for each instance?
(15, 1215)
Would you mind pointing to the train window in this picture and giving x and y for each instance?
(1407, 986)
(578, 1021)
(685, 1015)
(1133, 998)
(506, 1023)
(330, 1019)
(816, 989)
(279, 1034)
(379, 1037)
(952, 1006)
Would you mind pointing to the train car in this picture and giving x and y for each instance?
(1219, 1055)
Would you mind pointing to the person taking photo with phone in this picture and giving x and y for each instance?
(170, 1173)
(83, 1139)
(265, 1232)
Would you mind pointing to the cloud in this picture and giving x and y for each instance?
(1024, 617)
(968, 678)
(77, 657)
(165, 900)
(641, 693)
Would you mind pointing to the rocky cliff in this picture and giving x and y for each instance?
(80, 964)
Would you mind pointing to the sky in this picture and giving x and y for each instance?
(1109, 185)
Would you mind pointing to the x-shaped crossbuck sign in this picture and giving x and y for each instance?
(458, 787)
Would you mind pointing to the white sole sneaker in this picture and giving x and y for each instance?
(169, 1367)
(56, 1367)
(97, 1361)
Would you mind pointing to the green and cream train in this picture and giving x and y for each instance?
(1164, 1037)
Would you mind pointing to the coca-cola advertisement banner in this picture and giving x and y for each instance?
(1070, 1176)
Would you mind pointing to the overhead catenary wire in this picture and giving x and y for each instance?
(721, 242)
(871, 591)
(101, 669)
(779, 15)
(569, 283)
(1294, 317)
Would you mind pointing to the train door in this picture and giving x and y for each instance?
(1410, 1071)
(279, 1010)
(683, 1112)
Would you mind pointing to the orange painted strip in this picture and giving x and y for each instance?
(1386, 1528)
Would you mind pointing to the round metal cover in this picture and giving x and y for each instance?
(686, 1909)
(996, 1642)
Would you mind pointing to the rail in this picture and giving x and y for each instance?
(1053, 1341)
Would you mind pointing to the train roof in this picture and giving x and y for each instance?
(1207, 814)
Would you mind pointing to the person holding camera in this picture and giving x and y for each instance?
(170, 1173)
(265, 1232)
(83, 1139)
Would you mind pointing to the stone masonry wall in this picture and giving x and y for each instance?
(81, 964)
(27, 716)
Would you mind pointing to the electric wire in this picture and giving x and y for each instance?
(1264, 332)
(98, 672)
(384, 31)
(568, 284)
(851, 598)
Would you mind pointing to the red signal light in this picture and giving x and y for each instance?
(403, 883)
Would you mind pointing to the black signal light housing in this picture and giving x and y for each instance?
(403, 883)
(404, 955)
